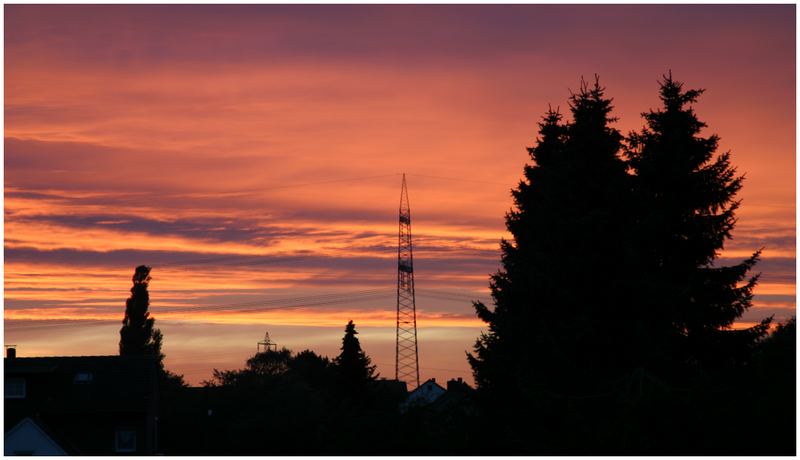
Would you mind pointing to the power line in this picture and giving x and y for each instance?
(264, 304)
(323, 300)
(331, 181)
(258, 189)
(443, 295)
(253, 306)
(456, 179)
(37, 324)
(429, 368)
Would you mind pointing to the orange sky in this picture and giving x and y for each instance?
(155, 134)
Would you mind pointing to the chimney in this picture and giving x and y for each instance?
(456, 384)
(11, 352)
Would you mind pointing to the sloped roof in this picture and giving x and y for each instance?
(118, 383)
(30, 436)
(429, 385)
(425, 393)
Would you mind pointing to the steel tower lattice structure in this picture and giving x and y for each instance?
(407, 355)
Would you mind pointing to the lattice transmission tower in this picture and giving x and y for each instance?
(407, 356)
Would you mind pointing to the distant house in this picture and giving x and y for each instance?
(423, 395)
(80, 405)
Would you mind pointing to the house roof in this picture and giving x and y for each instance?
(87, 383)
(32, 436)
(425, 393)
(427, 384)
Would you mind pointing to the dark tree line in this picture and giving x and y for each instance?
(610, 331)
(286, 403)
(279, 403)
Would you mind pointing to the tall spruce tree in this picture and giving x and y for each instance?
(558, 321)
(686, 203)
(353, 364)
(137, 335)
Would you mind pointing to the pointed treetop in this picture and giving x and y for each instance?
(354, 364)
(672, 94)
(591, 104)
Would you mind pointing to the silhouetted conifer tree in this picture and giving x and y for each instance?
(685, 205)
(137, 336)
(557, 309)
(353, 364)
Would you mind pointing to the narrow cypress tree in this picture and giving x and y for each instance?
(353, 364)
(137, 336)
(686, 202)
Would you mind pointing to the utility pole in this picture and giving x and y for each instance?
(406, 355)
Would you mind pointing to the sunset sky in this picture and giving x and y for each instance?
(253, 156)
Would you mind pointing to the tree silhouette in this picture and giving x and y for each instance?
(270, 362)
(556, 297)
(353, 364)
(137, 336)
(773, 392)
(610, 294)
(685, 206)
(312, 367)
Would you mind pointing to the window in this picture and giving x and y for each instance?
(15, 388)
(82, 377)
(125, 440)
